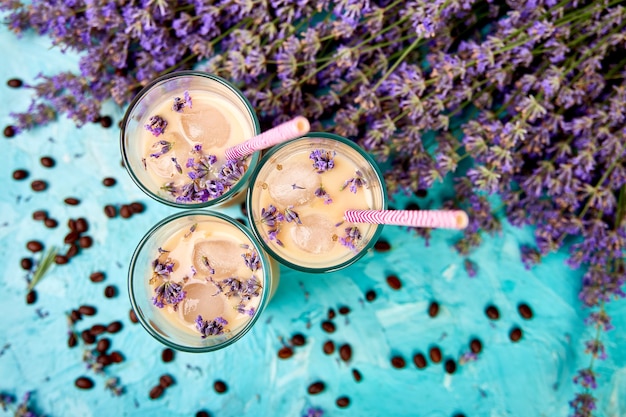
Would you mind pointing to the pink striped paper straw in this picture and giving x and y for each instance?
(435, 219)
(295, 127)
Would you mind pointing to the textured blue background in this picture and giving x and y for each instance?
(530, 378)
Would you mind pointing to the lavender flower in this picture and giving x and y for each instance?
(181, 103)
(355, 182)
(165, 148)
(322, 160)
(352, 238)
(252, 260)
(156, 125)
(291, 215)
(321, 192)
(168, 293)
(271, 216)
(210, 327)
(586, 378)
(162, 270)
(231, 172)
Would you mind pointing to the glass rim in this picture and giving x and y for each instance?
(265, 262)
(253, 158)
(269, 154)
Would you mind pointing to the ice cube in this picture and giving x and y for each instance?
(294, 184)
(315, 234)
(200, 300)
(217, 258)
(207, 126)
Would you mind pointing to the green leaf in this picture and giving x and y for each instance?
(43, 267)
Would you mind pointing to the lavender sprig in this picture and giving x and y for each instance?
(156, 125)
(323, 160)
(210, 327)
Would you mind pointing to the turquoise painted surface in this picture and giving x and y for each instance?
(529, 378)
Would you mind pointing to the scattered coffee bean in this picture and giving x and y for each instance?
(71, 237)
(103, 345)
(344, 310)
(343, 402)
(202, 413)
(328, 326)
(476, 346)
(34, 246)
(435, 354)
(492, 312)
(220, 387)
(75, 316)
(87, 310)
(83, 382)
(15, 83)
(38, 185)
(433, 309)
(87, 337)
(156, 392)
(85, 242)
(106, 121)
(110, 211)
(26, 263)
(398, 362)
(345, 352)
(137, 207)
(20, 174)
(40, 215)
(133, 318)
(81, 225)
(97, 277)
(166, 381)
(71, 224)
(50, 223)
(525, 311)
(394, 282)
(328, 347)
(71, 201)
(72, 340)
(110, 291)
(285, 352)
(167, 355)
(331, 314)
(31, 297)
(357, 375)
(97, 329)
(72, 251)
(109, 182)
(117, 357)
(450, 366)
(125, 211)
(9, 131)
(114, 326)
(370, 295)
(61, 259)
(459, 415)
(515, 334)
(47, 161)
(382, 246)
(104, 360)
(419, 360)
(298, 339)
(316, 387)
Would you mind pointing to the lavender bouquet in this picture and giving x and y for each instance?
(520, 105)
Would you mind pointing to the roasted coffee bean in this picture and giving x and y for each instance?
(166, 381)
(83, 383)
(421, 193)
(75, 316)
(72, 251)
(133, 318)
(20, 174)
(114, 326)
(31, 297)
(109, 182)
(492, 312)
(103, 345)
(433, 309)
(110, 291)
(394, 282)
(525, 311)
(87, 310)
(298, 339)
(26, 263)
(71, 201)
(285, 352)
(117, 357)
(515, 334)
(97, 277)
(38, 185)
(85, 242)
(344, 310)
(40, 215)
(72, 340)
(71, 237)
(435, 354)
(87, 337)
(343, 402)
(331, 314)
(476, 346)
(60, 259)
(71, 224)
(398, 362)
(328, 347)
(156, 392)
(412, 206)
(15, 83)
(450, 366)
(220, 387)
(9, 131)
(459, 415)
(316, 387)
(104, 360)
(328, 326)
(110, 211)
(81, 225)
(47, 161)
(357, 375)
(137, 207)
(345, 352)
(34, 246)
(106, 121)
(202, 413)
(125, 211)
(370, 295)
(419, 360)
(382, 246)
(167, 355)
(50, 223)
(97, 329)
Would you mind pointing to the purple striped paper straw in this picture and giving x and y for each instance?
(435, 219)
(295, 127)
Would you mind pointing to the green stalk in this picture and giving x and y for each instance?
(43, 267)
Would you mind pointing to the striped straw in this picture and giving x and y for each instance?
(436, 219)
(295, 127)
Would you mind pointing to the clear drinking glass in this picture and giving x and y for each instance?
(200, 263)
(299, 193)
(174, 135)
